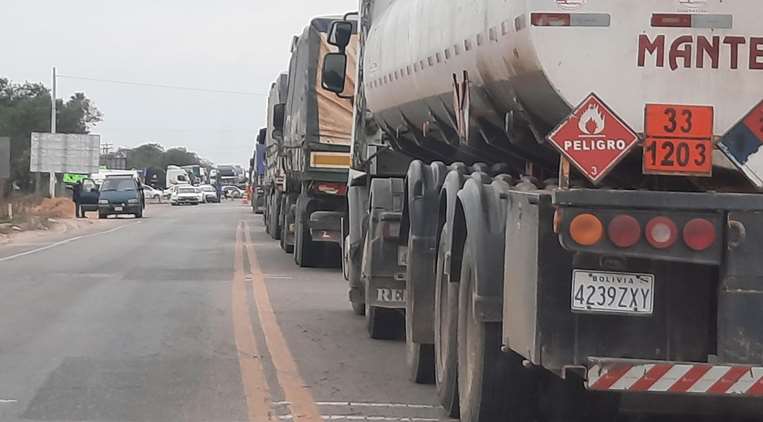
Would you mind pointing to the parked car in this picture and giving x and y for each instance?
(167, 193)
(151, 193)
(121, 195)
(232, 192)
(210, 193)
(185, 194)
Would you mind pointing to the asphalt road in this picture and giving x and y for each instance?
(190, 314)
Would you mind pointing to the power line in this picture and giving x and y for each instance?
(162, 86)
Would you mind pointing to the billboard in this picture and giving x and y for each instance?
(64, 153)
(5, 158)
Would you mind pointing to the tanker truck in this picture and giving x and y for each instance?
(579, 226)
(314, 153)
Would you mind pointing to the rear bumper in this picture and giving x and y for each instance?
(126, 209)
(679, 378)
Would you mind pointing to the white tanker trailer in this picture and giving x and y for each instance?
(532, 291)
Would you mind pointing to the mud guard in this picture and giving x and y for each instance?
(420, 230)
(384, 277)
(481, 212)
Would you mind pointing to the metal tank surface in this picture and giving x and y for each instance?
(529, 62)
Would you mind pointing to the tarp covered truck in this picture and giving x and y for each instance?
(313, 155)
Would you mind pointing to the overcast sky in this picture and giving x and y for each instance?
(230, 45)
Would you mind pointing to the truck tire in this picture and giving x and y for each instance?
(285, 226)
(382, 323)
(446, 326)
(419, 358)
(275, 217)
(305, 250)
(492, 385)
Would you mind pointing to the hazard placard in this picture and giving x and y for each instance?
(678, 140)
(593, 138)
(742, 145)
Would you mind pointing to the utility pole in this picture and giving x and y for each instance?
(52, 183)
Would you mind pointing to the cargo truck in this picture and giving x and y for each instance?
(314, 154)
(581, 220)
(273, 184)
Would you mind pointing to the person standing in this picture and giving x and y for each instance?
(77, 198)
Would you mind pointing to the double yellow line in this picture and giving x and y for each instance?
(258, 398)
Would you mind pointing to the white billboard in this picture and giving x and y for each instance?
(64, 153)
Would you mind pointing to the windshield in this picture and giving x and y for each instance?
(114, 184)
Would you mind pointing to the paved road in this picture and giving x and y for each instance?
(191, 314)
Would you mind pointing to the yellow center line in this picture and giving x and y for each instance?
(297, 393)
(258, 401)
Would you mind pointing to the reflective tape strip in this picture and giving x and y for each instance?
(676, 378)
(330, 160)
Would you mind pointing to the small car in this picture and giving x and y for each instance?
(185, 194)
(120, 195)
(233, 192)
(151, 193)
(210, 193)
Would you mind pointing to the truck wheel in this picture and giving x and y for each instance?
(382, 323)
(275, 216)
(492, 384)
(359, 308)
(285, 226)
(446, 326)
(305, 251)
(419, 357)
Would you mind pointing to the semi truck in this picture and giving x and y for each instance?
(579, 221)
(313, 155)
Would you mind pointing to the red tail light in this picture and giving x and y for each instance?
(332, 188)
(699, 234)
(661, 232)
(624, 231)
(551, 19)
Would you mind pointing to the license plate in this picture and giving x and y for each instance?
(679, 140)
(610, 292)
(118, 208)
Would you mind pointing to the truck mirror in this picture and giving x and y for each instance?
(334, 72)
(279, 112)
(340, 34)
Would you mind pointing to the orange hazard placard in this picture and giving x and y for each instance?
(679, 121)
(679, 140)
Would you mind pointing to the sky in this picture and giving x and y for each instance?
(223, 45)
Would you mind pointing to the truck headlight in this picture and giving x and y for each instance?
(103, 201)
(132, 201)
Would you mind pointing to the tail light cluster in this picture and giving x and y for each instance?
(625, 231)
(330, 188)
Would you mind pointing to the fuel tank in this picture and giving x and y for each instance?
(529, 62)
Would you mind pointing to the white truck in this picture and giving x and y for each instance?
(581, 221)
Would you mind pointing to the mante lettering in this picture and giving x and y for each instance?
(688, 51)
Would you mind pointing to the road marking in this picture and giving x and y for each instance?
(8, 401)
(366, 418)
(303, 406)
(255, 383)
(353, 404)
(64, 242)
(279, 277)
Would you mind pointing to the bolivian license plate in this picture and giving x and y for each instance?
(118, 208)
(610, 292)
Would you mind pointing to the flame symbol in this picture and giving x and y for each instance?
(592, 121)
